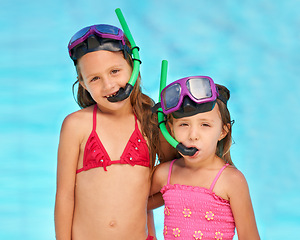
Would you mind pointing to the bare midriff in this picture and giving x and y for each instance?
(111, 204)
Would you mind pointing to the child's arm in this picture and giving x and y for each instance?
(68, 151)
(159, 179)
(155, 201)
(241, 206)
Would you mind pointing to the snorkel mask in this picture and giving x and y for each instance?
(189, 96)
(110, 38)
(183, 98)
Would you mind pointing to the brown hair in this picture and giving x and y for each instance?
(140, 102)
(223, 146)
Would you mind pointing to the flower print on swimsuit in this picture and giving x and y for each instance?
(165, 230)
(176, 232)
(167, 211)
(187, 212)
(198, 235)
(219, 236)
(209, 216)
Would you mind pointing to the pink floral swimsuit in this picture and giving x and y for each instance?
(195, 212)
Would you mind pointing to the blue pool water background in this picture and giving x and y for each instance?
(251, 46)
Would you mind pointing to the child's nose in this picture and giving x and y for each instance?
(194, 133)
(108, 83)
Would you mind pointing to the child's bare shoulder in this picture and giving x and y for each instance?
(161, 171)
(78, 115)
(78, 122)
(234, 179)
(75, 118)
(163, 167)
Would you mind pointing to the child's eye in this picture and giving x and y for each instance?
(205, 125)
(94, 79)
(115, 71)
(183, 124)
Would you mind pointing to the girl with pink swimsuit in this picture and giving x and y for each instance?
(205, 196)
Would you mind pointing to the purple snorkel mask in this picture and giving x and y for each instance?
(185, 97)
(95, 38)
(189, 96)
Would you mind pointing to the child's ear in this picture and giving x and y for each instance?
(224, 131)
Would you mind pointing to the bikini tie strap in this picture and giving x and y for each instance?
(170, 170)
(217, 177)
(95, 117)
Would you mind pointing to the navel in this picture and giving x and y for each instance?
(112, 224)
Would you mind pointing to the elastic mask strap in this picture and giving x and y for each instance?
(190, 108)
(95, 43)
(156, 108)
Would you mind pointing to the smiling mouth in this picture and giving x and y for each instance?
(112, 95)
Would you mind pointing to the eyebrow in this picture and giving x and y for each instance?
(206, 120)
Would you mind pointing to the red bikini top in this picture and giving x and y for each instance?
(135, 153)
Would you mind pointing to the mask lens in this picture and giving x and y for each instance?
(107, 29)
(171, 96)
(199, 87)
(79, 34)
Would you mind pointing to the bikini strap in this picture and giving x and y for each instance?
(136, 122)
(95, 117)
(170, 170)
(217, 177)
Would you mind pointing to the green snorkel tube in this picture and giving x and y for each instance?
(161, 117)
(124, 93)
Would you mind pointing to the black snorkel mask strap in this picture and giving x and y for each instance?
(124, 93)
(190, 108)
(161, 117)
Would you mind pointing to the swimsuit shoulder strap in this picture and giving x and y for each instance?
(217, 177)
(170, 170)
(95, 117)
(136, 122)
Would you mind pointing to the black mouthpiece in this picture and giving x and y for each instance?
(186, 151)
(122, 94)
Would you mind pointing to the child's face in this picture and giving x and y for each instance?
(202, 131)
(103, 73)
